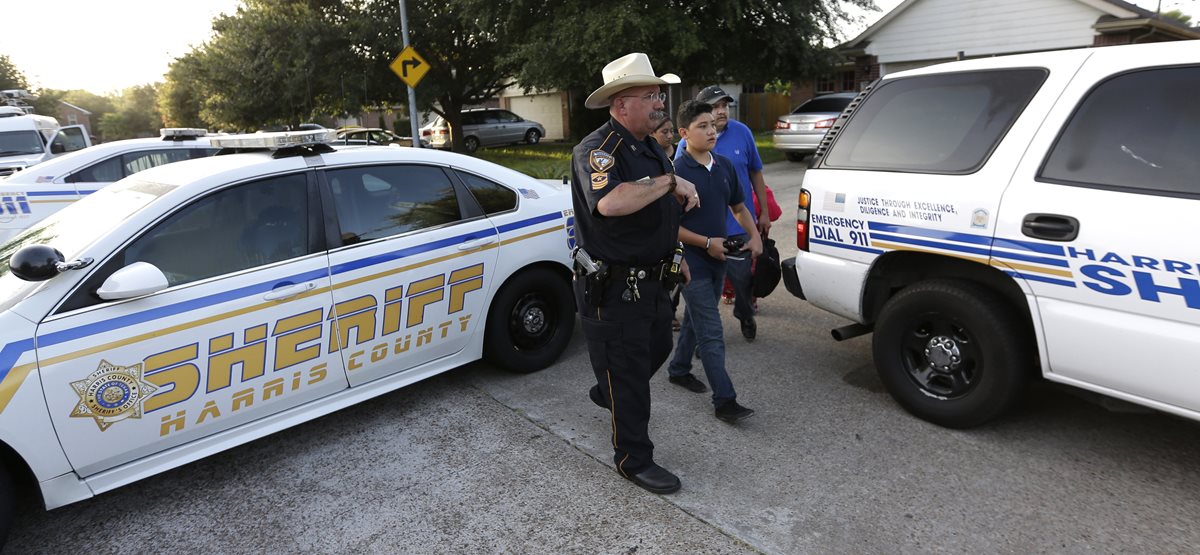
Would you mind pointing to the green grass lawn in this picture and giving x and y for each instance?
(552, 160)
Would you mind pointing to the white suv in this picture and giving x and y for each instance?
(989, 217)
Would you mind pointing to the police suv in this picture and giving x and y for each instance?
(991, 217)
(38, 191)
(199, 305)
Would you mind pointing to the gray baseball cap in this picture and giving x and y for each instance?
(712, 94)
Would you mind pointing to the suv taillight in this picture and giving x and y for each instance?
(426, 133)
(782, 124)
(802, 220)
(824, 124)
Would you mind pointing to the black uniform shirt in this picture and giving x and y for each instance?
(605, 159)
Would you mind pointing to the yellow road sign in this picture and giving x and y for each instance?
(410, 66)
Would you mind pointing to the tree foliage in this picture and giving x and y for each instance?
(135, 114)
(1179, 16)
(10, 76)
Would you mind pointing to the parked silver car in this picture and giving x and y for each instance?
(485, 127)
(797, 134)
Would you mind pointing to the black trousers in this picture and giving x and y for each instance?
(627, 343)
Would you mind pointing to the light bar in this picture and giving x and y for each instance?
(282, 139)
(171, 132)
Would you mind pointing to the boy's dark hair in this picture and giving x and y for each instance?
(690, 110)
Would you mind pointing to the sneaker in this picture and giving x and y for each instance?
(689, 382)
(749, 329)
(732, 412)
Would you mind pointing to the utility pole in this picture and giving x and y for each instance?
(412, 93)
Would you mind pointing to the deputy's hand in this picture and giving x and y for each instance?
(716, 248)
(764, 222)
(685, 193)
(754, 245)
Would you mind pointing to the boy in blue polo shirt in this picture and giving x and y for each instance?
(702, 231)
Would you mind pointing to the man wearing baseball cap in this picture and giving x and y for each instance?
(735, 141)
(628, 203)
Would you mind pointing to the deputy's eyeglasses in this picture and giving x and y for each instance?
(649, 97)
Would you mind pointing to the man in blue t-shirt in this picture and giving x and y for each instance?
(735, 141)
(703, 232)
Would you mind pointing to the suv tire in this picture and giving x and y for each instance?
(530, 321)
(951, 352)
(471, 144)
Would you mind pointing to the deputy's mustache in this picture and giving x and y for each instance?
(658, 115)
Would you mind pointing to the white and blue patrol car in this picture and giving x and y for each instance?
(43, 189)
(199, 305)
(989, 219)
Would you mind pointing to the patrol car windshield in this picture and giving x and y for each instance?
(73, 228)
(17, 143)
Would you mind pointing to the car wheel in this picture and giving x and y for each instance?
(951, 352)
(471, 144)
(532, 136)
(795, 156)
(530, 321)
(8, 503)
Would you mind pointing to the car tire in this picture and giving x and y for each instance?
(530, 321)
(471, 144)
(796, 156)
(952, 352)
(8, 503)
(532, 136)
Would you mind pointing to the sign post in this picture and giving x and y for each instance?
(411, 67)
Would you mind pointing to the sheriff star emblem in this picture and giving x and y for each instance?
(111, 394)
(600, 160)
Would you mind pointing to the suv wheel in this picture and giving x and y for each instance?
(471, 144)
(951, 352)
(532, 136)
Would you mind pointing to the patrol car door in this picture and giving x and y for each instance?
(23, 204)
(411, 279)
(1109, 207)
(240, 333)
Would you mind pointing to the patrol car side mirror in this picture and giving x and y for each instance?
(36, 262)
(134, 280)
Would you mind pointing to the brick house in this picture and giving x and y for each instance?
(918, 33)
(70, 114)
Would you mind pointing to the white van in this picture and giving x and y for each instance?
(27, 139)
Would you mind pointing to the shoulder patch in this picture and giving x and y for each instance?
(599, 181)
(600, 161)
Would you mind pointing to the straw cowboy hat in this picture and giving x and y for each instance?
(626, 72)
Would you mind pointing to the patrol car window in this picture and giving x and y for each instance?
(1138, 131)
(381, 201)
(494, 198)
(105, 171)
(944, 123)
(139, 161)
(232, 230)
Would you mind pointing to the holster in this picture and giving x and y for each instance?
(594, 285)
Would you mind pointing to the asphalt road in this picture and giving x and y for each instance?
(480, 461)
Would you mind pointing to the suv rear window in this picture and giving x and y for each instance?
(942, 123)
(1139, 132)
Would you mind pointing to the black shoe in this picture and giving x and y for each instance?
(749, 329)
(598, 398)
(732, 412)
(689, 382)
(656, 479)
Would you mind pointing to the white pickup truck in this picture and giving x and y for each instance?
(997, 219)
(27, 139)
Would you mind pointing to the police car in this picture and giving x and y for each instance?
(993, 218)
(30, 195)
(199, 305)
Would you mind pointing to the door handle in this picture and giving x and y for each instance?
(1052, 227)
(476, 243)
(289, 291)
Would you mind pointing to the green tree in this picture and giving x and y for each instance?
(135, 114)
(1179, 16)
(181, 97)
(10, 76)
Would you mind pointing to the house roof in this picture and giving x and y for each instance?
(75, 107)
(1114, 10)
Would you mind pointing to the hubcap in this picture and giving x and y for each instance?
(534, 320)
(941, 356)
(531, 323)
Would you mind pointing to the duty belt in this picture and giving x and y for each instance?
(652, 272)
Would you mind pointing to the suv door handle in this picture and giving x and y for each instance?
(289, 291)
(476, 243)
(1052, 227)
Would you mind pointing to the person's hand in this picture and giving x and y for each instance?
(716, 248)
(754, 246)
(764, 222)
(685, 193)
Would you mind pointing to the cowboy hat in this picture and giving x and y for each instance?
(626, 72)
